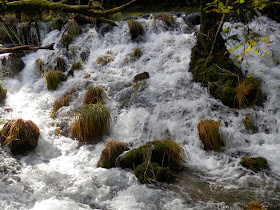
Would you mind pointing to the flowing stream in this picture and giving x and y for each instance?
(63, 174)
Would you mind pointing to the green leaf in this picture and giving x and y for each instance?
(250, 75)
(226, 11)
(226, 30)
(257, 51)
(238, 26)
(262, 71)
(252, 42)
(236, 47)
(241, 1)
(230, 50)
(238, 56)
(266, 53)
(263, 6)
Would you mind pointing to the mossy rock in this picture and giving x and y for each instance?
(110, 154)
(20, 136)
(3, 94)
(153, 172)
(255, 164)
(57, 23)
(209, 133)
(54, 78)
(166, 152)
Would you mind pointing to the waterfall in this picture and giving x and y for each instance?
(63, 174)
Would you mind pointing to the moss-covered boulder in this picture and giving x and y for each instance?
(255, 164)
(20, 136)
(153, 172)
(110, 154)
(166, 153)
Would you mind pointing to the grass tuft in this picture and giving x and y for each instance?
(91, 123)
(249, 124)
(210, 135)
(104, 60)
(254, 205)
(167, 18)
(94, 95)
(63, 101)
(254, 164)
(3, 94)
(135, 28)
(110, 154)
(21, 136)
(54, 78)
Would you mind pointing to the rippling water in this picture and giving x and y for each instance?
(62, 174)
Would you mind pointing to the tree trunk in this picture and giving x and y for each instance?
(19, 49)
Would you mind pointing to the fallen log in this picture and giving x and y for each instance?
(18, 49)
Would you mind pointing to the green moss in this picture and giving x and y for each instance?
(166, 152)
(255, 164)
(153, 172)
(76, 66)
(57, 23)
(137, 53)
(110, 154)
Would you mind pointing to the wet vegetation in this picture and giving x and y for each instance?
(136, 29)
(255, 164)
(54, 78)
(94, 95)
(20, 136)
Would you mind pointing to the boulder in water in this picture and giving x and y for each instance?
(141, 76)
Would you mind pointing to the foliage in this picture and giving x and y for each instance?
(76, 65)
(63, 101)
(39, 65)
(137, 53)
(110, 154)
(94, 95)
(167, 18)
(57, 23)
(21, 136)
(254, 164)
(136, 29)
(104, 60)
(210, 135)
(54, 78)
(91, 123)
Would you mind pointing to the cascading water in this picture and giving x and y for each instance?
(62, 174)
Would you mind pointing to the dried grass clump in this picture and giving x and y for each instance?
(54, 78)
(167, 18)
(60, 64)
(63, 101)
(76, 65)
(91, 123)
(247, 92)
(137, 53)
(254, 205)
(94, 95)
(210, 135)
(135, 28)
(3, 94)
(249, 124)
(39, 65)
(104, 60)
(110, 154)
(21, 136)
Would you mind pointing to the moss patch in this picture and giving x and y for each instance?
(255, 164)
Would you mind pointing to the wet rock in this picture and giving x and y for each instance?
(255, 164)
(141, 76)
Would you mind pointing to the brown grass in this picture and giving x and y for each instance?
(63, 101)
(167, 18)
(210, 135)
(135, 28)
(110, 154)
(54, 78)
(254, 205)
(94, 95)
(21, 136)
(3, 94)
(91, 123)
(104, 60)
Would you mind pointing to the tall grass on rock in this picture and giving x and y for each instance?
(210, 135)
(63, 101)
(110, 154)
(54, 78)
(91, 123)
(136, 29)
(94, 95)
(20, 135)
